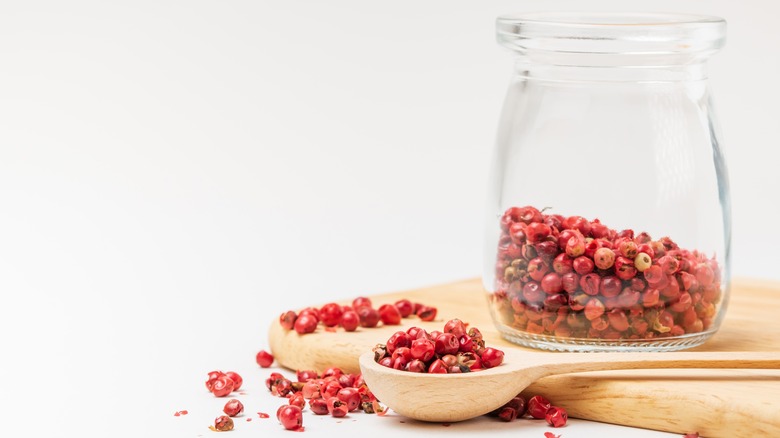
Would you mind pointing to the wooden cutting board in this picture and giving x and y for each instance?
(716, 403)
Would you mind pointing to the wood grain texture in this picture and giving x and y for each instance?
(716, 403)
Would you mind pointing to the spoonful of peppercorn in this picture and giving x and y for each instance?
(457, 397)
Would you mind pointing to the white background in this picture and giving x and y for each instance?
(175, 174)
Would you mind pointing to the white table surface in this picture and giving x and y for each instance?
(175, 174)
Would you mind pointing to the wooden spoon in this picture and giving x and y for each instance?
(457, 397)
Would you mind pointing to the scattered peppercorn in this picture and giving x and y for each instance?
(290, 417)
(221, 384)
(556, 417)
(264, 359)
(223, 423)
(233, 407)
(360, 313)
(538, 406)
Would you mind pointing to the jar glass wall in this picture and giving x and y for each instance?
(608, 219)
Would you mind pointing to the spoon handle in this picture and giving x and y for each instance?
(562, 363)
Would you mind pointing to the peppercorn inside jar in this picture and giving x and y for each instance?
(608, 219)
(571, 278)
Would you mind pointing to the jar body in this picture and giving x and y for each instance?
(608, 221)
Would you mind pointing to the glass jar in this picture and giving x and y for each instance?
(608, 219)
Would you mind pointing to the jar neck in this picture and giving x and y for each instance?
(611, 47)
(604, 70)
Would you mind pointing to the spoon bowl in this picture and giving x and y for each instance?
(458, 397)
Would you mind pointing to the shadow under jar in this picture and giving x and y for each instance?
(608, 218)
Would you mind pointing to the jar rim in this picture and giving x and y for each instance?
(611, 33)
